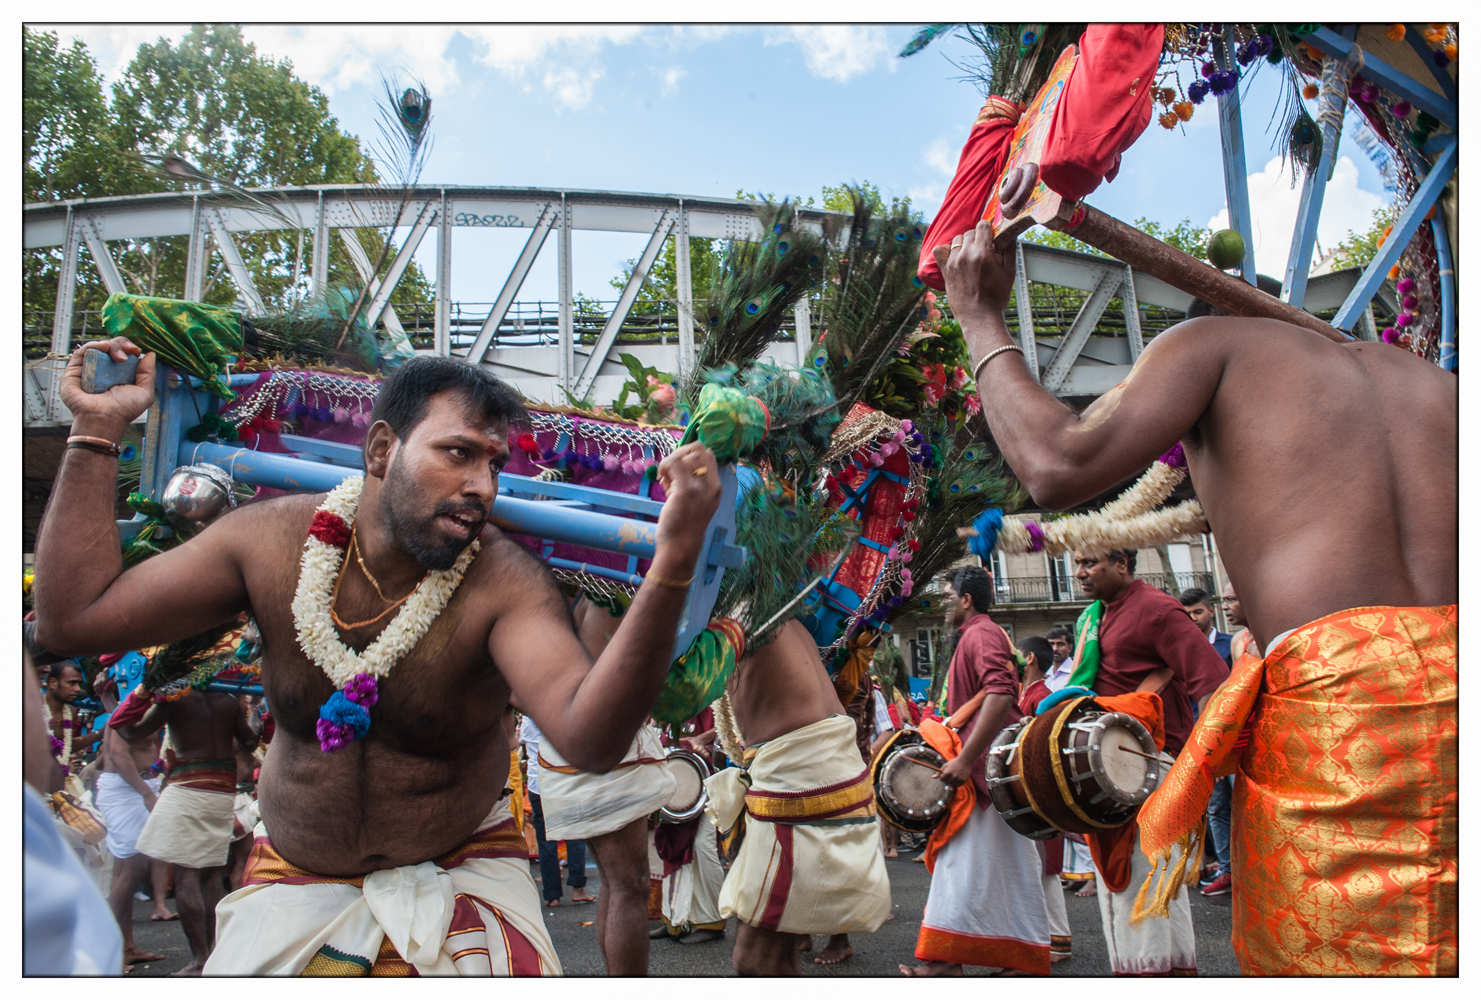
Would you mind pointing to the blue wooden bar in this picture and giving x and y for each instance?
(1236, 177)
(1390, 79)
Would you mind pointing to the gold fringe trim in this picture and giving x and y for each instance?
(1173, 876)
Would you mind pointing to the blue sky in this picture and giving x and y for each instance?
(708, 110)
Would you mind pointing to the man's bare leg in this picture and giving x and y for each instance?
(622, 908)
(836, 951)
(890, 839)
(932, 969)
(241, 848)
(159, 880)
(765, 953)
(126, 875)
(197, 891)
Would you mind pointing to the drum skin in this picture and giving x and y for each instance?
(1065, 774)
(887, 779)
(690, 771)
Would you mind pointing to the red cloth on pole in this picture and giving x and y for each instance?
(977, 173)
(1106, 106)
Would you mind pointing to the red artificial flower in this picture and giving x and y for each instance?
(914, 545)
(330, 529)
(908, 515)
(973, 403)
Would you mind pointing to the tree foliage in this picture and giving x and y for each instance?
(1184, 236)
(214, 101)
(1357, 249)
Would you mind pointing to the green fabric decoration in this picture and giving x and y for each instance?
(212, 425)
(615, 604)
(728, 422)
(698, 677)
(1087, 646)
(191, 337)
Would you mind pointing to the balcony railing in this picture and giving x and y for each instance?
(1066, 590)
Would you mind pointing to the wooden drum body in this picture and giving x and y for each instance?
(909, 796)
(690, 771)
(1075, 769)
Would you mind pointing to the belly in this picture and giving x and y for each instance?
(366, 807)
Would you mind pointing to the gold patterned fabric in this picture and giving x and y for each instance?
(1345, 831)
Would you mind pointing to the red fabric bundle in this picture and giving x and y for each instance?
(1106, 106)
(977, 173)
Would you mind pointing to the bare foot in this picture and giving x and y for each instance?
(838, 950)
(892, 853)
(1088, 891)
(700, 937)
(804, 942)
(552, 902)
(582, 896)
(190, 970)
(932, 969)
(163, 914)
(135, 955)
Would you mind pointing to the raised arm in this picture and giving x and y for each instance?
(591, 711)
(85, 602)
(1062, 457)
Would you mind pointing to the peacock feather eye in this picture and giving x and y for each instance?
(955, 487)
(1029, 37)
(916, 232)
(782, 247)
(754, 306)
(819, 361)
(970, 454)
(917, 282)
(902, 235)
(128, 453)
(973, 488)
(779, 228)
(812, 260)
(869, 243)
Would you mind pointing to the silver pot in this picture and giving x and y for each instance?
(198, 494)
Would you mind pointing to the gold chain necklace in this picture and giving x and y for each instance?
(349, 626)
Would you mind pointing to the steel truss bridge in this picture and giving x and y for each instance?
(542, 353)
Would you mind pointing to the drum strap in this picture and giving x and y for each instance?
(568, 769)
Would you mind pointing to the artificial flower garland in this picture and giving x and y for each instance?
(346, 715)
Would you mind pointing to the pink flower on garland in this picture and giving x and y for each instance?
(973, 403)
(330, 529)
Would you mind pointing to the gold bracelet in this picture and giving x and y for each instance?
(664, 581)
(977, 372)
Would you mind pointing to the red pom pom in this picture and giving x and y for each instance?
(896, 533)
(330, 529)
(528, 444)
(914, 545)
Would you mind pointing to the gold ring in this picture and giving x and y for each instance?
(702, 470)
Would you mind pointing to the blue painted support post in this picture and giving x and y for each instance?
(1414, 35)
(1447, 292)
(1236, 179)
(1330, 108)
(1390, 79)
(162, 431)
(1398, 238)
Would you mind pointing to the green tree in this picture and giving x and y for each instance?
(1183, 236)
(235, 114)
(1357, 249)
(67, 148)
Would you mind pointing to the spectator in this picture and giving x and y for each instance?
(1200, 607)
(1038, 655)
(1062, 643)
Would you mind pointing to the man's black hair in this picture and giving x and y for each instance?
(1127, 554)
(1264, 282)
(1059, 632)
(403, 398)
(976, 583)
(1039, 646)
(1195, 595)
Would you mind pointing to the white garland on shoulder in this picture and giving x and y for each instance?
(319, 570)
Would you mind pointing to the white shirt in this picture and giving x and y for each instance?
(529, 735)
(882, 723)
(1059, 676)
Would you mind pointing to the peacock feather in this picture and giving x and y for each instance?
(179, 659)
(924, 37)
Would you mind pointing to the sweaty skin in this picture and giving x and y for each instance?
(1329, 472)
(435, 758)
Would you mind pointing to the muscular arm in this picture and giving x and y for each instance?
(150, 723)
(85, 602)
(1064, 458)
(590, 711)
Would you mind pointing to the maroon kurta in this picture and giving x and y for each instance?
(983, 661)
(1145, 630)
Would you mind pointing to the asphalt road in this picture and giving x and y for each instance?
(876, 954)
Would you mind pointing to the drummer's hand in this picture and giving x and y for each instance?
(958, 771)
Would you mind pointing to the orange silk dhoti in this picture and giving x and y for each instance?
(1345, 837)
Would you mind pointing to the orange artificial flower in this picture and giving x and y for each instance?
(1395, 33)
(1183, 109)
(1310, 91)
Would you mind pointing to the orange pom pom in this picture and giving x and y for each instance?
(1435, 34)
(1313, 53)
(1310, 91)
(1167, 120)
(1395, 33)
(1452, 51)
(1393, 273)
(1431, 213)
(1183, 109)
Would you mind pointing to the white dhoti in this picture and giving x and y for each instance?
(472, 912)
(1059, 916)
(243, 820)
(986, 905)
(1156, 946)
(691, 893)
(580, 804)
(1078, 865)
(123, 811)
(811, 860)
(189, 827)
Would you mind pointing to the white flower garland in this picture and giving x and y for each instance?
(319, 570)
(69, 723)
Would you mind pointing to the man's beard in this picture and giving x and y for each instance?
(421, 538)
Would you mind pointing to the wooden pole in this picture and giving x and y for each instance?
(1184, 272)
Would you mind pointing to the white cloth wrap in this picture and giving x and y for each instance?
(124, 812)
(582, 805)
(691, 894)
(189, 827)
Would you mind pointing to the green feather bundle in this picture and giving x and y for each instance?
(757, 283)
(181, 659)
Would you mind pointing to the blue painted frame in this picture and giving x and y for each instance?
(1390, 79)
(1236, 176)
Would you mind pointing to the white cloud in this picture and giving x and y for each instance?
(939, 155)
(572, 88)
(1274, 204)
(113, 46)
(838, 51)
(518, 48)
(671, 78)
(337, 57)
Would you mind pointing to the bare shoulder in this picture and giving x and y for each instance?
(270, 516)
(510, 574)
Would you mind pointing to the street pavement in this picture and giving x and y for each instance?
(877, 954)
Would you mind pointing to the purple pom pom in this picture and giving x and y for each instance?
(1390, 336)
(1403, 319)
(1208, 70)
(1406, 285)
(1411, 302)
(1401, 109)
(1175, 457)
(1197, 91)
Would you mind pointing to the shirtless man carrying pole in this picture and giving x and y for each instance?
(1329, 474)
(396, 848)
